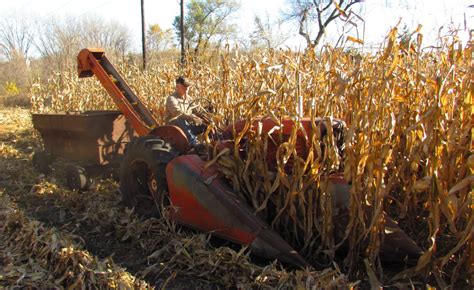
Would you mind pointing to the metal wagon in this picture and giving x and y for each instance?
(92, 142)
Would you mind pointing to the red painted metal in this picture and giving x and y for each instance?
(201, 199)
(197, 199)
(92, 61)
(281, 132)
(301, 149)
(174, 135)
(285, 127)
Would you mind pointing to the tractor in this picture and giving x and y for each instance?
(159, 167)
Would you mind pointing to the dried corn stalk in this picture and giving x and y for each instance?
(408, 115)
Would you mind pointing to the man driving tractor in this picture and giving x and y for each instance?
(179, 110)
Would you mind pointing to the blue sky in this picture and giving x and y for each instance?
(379, 15)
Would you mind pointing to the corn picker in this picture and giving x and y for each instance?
(160, 167)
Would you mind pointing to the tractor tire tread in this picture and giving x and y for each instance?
(156, 154)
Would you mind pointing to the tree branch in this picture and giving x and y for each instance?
(302, 22)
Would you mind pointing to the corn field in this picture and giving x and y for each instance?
(407, 147)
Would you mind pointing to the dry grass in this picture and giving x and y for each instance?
(16, 101)
(408, 145)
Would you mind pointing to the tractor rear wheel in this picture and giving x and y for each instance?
(142, 175)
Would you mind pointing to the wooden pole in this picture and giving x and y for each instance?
(143, 35)
(181, 27)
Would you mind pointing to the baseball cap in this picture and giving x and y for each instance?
(183, 81)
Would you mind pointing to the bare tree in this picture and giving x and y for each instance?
(110, 35)
(16, 38)
(316, 15)
(268, 33)
(59, 40)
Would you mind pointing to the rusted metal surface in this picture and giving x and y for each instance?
(96, 137)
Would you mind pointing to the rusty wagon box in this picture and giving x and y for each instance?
(90, 138)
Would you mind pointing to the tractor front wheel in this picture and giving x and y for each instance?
(142, 175)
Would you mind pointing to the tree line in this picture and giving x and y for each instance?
(32, 47)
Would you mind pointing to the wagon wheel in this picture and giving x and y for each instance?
(142, 174)
(77, 178)
(42, 161)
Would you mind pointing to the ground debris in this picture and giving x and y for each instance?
(32, 254)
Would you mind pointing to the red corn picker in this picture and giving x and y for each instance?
(159, 167)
